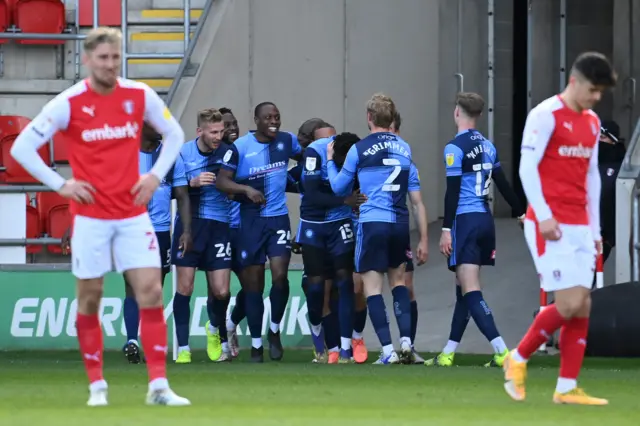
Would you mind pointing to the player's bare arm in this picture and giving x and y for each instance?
(158, 115)
(181, 194)
(53, 117)
(225, 183)
(537, 132)
(420, 213)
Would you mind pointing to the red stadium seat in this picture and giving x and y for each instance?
(33, 229)
(12, 125)
(5, 17)
(60, 155)
(109, 13)
(45, 203)
(15, 173)
(40, 16)
(58, 223)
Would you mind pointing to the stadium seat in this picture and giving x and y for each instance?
(45, 203)
(15, 173)
(40, 16)
(58, 223)
(33, 229)
(109, 13)
(12, 125)
(60, 149)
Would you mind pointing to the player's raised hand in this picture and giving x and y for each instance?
(330, 151)
(77, 190)
(254, 195)
(422, 252)
(144, 189)
(550, 229)
(203, 179)
(445, 243)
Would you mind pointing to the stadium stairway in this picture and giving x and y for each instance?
(157, 26)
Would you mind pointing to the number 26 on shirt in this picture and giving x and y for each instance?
(482, 188)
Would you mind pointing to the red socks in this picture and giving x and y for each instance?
(153, 336)
(91, 345)
(544, 325)
(573, 342)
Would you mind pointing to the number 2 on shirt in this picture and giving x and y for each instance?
(482, 190)
(388, 185)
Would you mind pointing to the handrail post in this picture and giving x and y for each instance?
(124, 27)
(187, 24)
(96, 5)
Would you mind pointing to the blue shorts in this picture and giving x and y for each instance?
(381, 246)
(164, 244)
(211, 248)
(235, 254)
(336, 237)
(262, 237)
(473, 237)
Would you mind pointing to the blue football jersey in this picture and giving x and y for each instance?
(473, 157)
(206, 202)
(318, 201)
(386, 173)
(160, 205)
(262, 166)
(234, 214)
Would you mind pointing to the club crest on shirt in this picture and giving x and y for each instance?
(450, 159)
(227, 156)
(310, 164)
(128, 106)
(280, 146)
(610, 172)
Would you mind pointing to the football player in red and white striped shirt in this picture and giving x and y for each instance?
(560, 177)
(102, 117)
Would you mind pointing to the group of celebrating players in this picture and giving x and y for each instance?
(354, 221)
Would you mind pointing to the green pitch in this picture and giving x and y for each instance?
(50, 389)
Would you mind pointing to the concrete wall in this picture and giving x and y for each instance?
(326, 59)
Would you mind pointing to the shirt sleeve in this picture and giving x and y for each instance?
(453, 160)
(537, 132)
(295, 145)
(53, 117)
(179, 173)
(342, 182)
(594, 187)
(414, 178)
(231, 158)
(158, 115)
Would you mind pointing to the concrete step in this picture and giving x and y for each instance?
(156, 39)
(153, 68)
(161, 16)
(176, 4)
(160, 85)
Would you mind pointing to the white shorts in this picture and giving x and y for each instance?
(566, 263)
(98, 244)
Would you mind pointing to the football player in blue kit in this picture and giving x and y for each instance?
(383, 165)
(197, 165)
(254, 169)
(468, 233)
(326, 236)
(160, 212)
